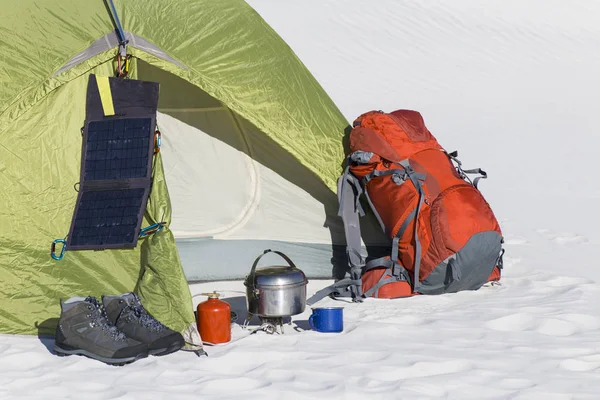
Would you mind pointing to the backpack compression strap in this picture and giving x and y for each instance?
(463, 172)
(349, 191)
(396, 270)
(416, 180)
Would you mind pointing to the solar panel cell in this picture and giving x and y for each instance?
(107, 217)
(118, 149)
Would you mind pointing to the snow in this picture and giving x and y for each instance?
(514, 87)
(534, 337)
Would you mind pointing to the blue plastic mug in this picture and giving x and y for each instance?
(327, 319)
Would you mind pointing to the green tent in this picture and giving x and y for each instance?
(217, 63)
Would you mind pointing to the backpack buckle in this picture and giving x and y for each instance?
(399, 179)
(397, 269)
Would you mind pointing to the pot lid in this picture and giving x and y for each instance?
(278, 276)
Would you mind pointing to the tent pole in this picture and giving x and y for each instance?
(117, 22)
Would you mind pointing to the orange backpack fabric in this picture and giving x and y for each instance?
(445, 237)
(452, 211)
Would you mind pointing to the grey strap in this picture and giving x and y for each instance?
(401, 231)
(397, 272)
(393, 264)
(410, 171)
(349, 213)
(415, 179)
(396, 269)
(419, 187)
(377, 173)
(341, 288)
(398, 175)
(383, 281)
(378, 263)
(381, 224)
(349, 185)
(476, 171)
(349, 191)
(463, 172)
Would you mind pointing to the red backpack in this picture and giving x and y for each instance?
(445, 237)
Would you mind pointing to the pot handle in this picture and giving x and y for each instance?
(253, 270)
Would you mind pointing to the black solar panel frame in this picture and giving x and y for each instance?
(112, 184)
(132, 99)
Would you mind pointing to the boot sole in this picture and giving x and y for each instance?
(175, 346)
(61, 352)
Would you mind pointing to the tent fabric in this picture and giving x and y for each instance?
(268, 193)
(41, 160)
(39, 196)
(230, 53)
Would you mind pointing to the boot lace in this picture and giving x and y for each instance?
(145, 319)
(99, 318)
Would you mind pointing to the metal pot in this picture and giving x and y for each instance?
(277, 291)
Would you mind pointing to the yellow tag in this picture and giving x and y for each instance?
(105, 95)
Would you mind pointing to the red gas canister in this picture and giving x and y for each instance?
(214, 319)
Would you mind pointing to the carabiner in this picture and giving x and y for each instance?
(123, 62)
(127, 60)
(62, 251)
(157, 141)
(152, 229)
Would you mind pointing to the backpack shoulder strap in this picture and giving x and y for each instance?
(416, 179)
(349, 191)
(350, 210)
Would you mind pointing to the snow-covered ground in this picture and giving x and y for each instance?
(514, 87)
(535, 337)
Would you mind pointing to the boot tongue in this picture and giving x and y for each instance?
(102, 318)
(131, 299)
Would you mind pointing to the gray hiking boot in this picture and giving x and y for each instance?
(129, 315)
(84, 329)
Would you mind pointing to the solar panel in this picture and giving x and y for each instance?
(107, 218)
(118, 149)
(116, 165)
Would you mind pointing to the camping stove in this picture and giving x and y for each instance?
(275, 293)
(270, 325)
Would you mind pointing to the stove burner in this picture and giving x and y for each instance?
(270, 325)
